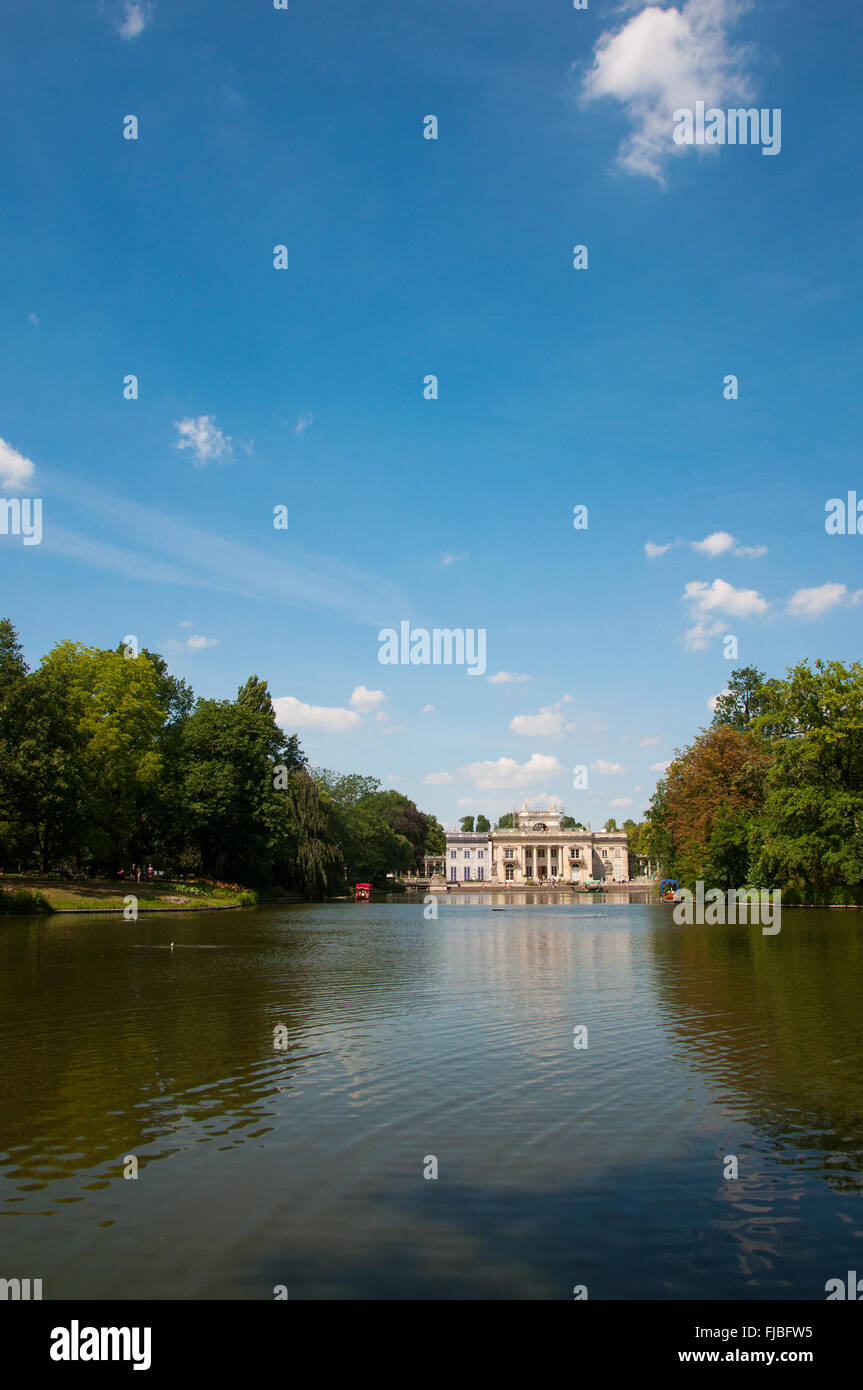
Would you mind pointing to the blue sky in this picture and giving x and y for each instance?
(409, 257)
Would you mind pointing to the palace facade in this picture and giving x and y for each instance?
(538, 849)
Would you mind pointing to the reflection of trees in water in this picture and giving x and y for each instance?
(112, 1042)
(777, 1021)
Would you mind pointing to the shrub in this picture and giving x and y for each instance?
(23, 900)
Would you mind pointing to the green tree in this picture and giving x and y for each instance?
(483, 824)
(742, 702)
(811, 831)
(466, 824)
(436, 836)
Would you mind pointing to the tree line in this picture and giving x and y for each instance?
(106, 759)
(771, 794)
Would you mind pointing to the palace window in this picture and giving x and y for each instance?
(509, 853)
(480, 873)
(480, 854)
(467, 873)
(509, 873)
(453, 876)
(452, 854)
(467, 854)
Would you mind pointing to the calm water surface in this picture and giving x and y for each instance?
(408, 1038)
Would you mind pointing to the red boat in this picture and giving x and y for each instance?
(362, 892)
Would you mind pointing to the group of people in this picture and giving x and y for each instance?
(138, 872)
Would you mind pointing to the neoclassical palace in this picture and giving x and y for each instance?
(537, 848)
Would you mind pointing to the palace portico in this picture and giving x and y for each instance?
(539, 849)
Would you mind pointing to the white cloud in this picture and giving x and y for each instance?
(187, 622)
(306, 419)
(715, 544)
(426, 709)
(204, 438)
(136, 17)
(660, 767)
(653, 552)
(697, 638)
(32, 318)
(364, 701)
(506, 772)
(610, 769)
(452, 557)
(15, 470)
(438, 779)
(508, 678)
(714, 699)
(197, 643)
(814, 603)
(752, 552)
(721, 597)
(549, 722)
(622, 801)
(662, 59)
(393, 729)
(294, 714)
(649, 742)
(381, 717)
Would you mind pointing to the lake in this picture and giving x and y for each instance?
(406, 1040)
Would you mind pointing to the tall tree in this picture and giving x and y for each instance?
(742, 702)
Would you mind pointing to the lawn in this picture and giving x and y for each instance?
(100, 893)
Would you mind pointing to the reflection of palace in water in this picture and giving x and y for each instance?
(537, 850)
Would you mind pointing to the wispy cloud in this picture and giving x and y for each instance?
(452, 557)
(176, 552)
(606, 768)
(306, 419)
(507, 678)
(136, 15)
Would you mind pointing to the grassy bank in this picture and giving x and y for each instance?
(19, 895)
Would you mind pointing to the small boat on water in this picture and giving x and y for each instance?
(669, 891)
(362, 892)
